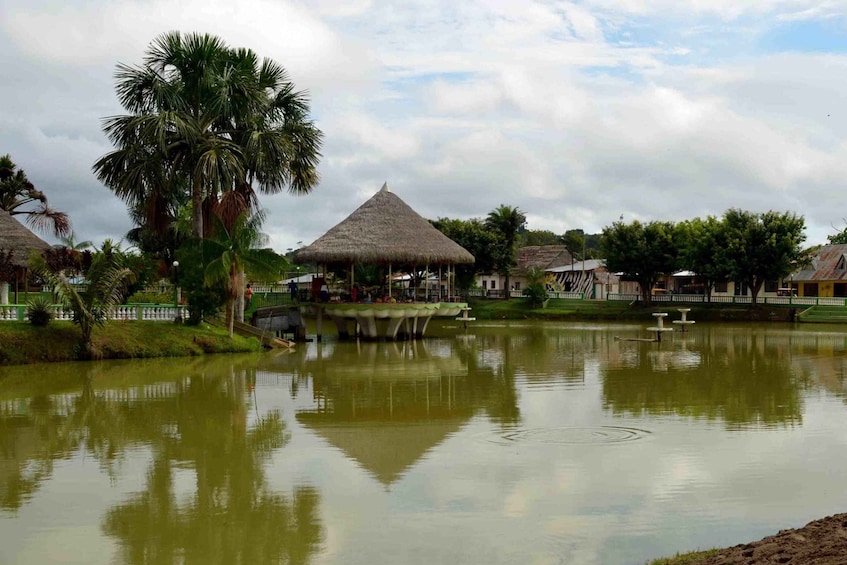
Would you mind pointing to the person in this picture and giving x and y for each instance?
(248, 296)
(292, 288)
(324, 292)
(354, 293)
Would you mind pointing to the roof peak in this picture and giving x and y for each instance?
(385, 187)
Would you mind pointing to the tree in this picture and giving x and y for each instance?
(235, 250)
(206, 119)
(506, 222)
(700, 243)
(477, 239)
(574, 242)
(539, 237)
(763, 246)
(104, 287)
(640, 251)
(18, 194)
(536, 287)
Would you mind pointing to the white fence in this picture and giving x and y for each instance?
(730, 299)
(126, 312)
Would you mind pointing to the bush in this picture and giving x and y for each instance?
(39, 312)
(143, 297)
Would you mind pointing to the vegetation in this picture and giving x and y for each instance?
(685, 558)
(506, 222)
(761, 247)
(39, 311)
(474, 236)
(641, 251)
(536, 287)
(24, 343)
(18, 195)
(206, 121)
(102, 291)
(233, 250)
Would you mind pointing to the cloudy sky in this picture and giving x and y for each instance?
(576, 112)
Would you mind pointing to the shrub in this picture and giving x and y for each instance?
(39, 311)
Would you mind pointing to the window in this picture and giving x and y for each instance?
(517, 285)
(740, 288)
(493, 285)
(721, 286)
(771, 286)
(484, 284)
(840, 290)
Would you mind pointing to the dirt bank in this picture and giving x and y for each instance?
(820, 542)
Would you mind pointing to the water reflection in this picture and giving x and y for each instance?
(746, 380)
(196, 423)
(385, 405)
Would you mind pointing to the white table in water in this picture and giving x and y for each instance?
(684, 321)
(660, 327)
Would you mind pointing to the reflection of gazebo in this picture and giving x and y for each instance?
(21, 242)
(386, 408)
(385, 231)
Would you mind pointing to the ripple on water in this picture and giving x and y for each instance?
(599, 435)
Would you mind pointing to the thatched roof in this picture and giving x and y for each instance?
(382, 230)
(542, 257)
(14, 236)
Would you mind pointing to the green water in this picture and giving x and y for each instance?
(508, 443)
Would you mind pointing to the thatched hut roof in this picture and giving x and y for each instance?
(16, 237)
(382, 230)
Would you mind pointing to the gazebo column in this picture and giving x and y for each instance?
(4, 292)
(389, 280)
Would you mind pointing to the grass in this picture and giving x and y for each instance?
(22, 343)
(563, 309)
(685, 558)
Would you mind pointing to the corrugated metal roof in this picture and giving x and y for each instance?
(830, 264)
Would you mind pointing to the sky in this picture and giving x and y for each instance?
(577, 113)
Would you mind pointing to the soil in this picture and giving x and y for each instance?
(820, 542)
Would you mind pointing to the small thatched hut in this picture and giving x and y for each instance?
(15, 237)
(384, 230)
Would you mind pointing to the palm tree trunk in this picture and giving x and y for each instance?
(197, 206)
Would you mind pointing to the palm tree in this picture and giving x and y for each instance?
(506, 222)
(17, 193)
(209, 118)
(71, 243)
(234, 250)
(104, 289)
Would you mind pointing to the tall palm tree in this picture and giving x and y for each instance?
(233, 250)
(17, 193)
(506, 222)
(210, 118)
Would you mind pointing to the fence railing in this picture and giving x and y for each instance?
(146, 312)
(731, 299)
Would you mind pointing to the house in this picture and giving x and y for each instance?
(589, 277)
(825, 276)
(543, 257)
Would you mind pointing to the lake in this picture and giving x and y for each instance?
(509, 442)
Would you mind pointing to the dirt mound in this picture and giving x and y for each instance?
(820, 542)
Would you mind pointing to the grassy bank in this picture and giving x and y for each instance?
(560, 309)
(22, 343)
(685, 558)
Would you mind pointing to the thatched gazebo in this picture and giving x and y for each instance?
(17, 238)
(385, 231)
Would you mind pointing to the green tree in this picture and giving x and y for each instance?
(762, 247)
(506, 222)
(18, 195)
(700, 243)
(211, 120)
(536, 287)
(103, 289)
(641, 251)
(233, 251)
(539, 237)
(477, 239)
(574, 241)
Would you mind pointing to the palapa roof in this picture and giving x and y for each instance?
(16, 237)
(383, 230)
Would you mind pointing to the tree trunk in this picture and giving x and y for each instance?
(506, 289)
(197, 207)
(755, 287)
